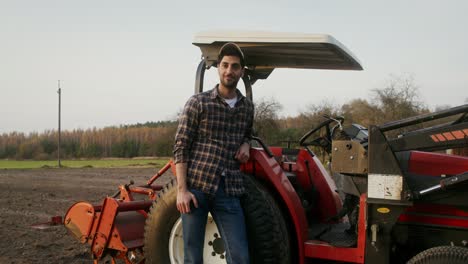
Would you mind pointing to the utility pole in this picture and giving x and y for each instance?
(59, 110)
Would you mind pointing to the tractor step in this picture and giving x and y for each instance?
(333, 234)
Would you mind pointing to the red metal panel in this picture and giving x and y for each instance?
(436, 164)
(330, 202)
(128, 231)
(134, 205)
(440, 137)
(435, 214)
(458, 134)
(434, 220)
(322, 250)
(448, 135)
(277, 151)
(269, 168)
(437, 209)
(104, 227)
(79, 220)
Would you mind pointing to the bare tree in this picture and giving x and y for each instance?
(398, 99)
(361, 111)
(266, 117)
(315, 112)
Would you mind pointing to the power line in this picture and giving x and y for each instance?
(59, 117)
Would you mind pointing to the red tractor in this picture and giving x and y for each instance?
(411, 203)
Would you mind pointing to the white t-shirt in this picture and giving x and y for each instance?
(231, 102)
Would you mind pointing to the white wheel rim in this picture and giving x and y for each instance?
(176, 243)
(213, 252)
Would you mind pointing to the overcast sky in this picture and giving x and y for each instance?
(123, 62)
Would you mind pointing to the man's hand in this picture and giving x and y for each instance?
(183, 201)
(243, 153)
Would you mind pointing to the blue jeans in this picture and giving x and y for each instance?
(229, 218)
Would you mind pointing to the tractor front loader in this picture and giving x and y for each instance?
(416, 198)
(411, 199)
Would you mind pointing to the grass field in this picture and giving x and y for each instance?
(101, 163)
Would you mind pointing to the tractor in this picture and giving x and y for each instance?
(411, 198)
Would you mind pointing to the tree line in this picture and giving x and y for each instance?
(396, 100)
(123, 141)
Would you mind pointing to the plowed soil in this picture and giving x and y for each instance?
(33, 196)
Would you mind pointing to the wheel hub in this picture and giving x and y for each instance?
(218, 245)
(213, 252)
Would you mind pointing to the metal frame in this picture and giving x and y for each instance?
(320, 250)
(384, 164)
(98, 228)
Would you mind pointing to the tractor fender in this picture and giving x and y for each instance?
(330, 202)
(268, 169)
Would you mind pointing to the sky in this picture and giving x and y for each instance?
(126, 62)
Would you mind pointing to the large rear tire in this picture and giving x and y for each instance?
(266, 229)
(441, 255)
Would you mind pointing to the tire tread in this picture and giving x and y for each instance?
(441, 255)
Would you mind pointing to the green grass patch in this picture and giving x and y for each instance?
(100, 163)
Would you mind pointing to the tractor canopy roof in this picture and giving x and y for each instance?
(265, 51)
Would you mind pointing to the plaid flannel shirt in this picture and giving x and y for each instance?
(208, 137)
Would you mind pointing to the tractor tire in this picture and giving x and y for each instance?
(441, 255)
(266, 228)
(268, 236)
(162, 216)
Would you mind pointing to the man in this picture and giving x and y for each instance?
(211, 139)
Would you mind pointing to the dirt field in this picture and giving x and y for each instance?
(32, 196)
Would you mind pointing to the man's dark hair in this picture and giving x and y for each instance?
(231, 49)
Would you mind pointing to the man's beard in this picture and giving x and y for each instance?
(229, 84)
